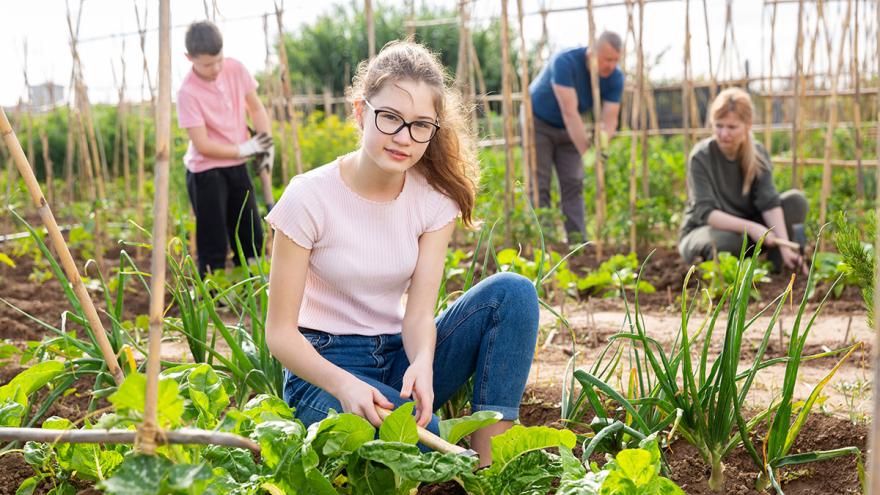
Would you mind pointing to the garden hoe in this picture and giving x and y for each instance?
(431, 440)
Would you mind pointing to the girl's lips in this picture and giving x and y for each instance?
(397, 155)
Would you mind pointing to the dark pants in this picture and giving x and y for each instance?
(220, 196)
(554, 149)
(703, 241)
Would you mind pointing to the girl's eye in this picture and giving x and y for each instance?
(421, 124)
(390, 117)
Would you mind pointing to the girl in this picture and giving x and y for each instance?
(373, 224)
(731, 190)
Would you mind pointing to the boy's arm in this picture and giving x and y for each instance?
(258, 113)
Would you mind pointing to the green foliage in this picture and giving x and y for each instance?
(14, 396)
(854, 243)
(723, 272)
(615, 276)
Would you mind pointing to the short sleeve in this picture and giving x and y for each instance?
(189, 113)
(443, 211)
(615, 87)
(563, 72)
(701, 189)
(764, 194)
(247, 81)
(298, 214)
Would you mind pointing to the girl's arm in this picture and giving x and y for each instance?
(287, 279)
(732, 223)
(419, 333)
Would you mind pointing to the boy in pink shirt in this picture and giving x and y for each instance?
(211, 106)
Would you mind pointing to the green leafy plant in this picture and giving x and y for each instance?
(723, 272)
(858, 254)
(614, 277)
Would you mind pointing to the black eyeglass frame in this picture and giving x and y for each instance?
(406, 124)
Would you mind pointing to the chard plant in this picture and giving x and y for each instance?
(722, 272)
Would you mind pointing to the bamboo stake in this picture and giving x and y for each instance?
(147, 431)
(507, 116)
(47, 163)
(634, 139)
(857, 106)
(60, 246)
(832, 122)
(529, 159)
(685, 88)
(713, 87)
(69, 150)
(643, 118)
(183, 436)
(371, 28)
(798, 87)
(285, 87)
(768, 105)
(410, 27)
(874, 445)
(142, 34)
(597, 133)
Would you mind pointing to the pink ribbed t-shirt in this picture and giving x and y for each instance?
(363, 253)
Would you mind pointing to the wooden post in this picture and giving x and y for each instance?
(69, 152)
(529, 153)
(597, 133)
(288, 93)
(507, 116)
(59, 245)
(768, 98)
(634, 139)
(832, 122)
(371, 28)
(410, 27)
(148, 429)
(122, 118)
(799, 54)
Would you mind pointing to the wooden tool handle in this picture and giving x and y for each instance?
(427, 438)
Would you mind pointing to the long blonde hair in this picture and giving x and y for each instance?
(450, 161)
(739, 103)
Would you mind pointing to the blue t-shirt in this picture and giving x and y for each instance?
(569, 68)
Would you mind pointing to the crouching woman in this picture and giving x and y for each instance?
(731, 191)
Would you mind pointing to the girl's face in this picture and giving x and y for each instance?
(396, 103)
(731, 133)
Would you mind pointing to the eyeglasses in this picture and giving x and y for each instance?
(421, 131)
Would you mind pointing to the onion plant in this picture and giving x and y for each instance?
(783, 431)
(707, 394)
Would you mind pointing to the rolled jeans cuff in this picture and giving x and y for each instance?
(507, 413)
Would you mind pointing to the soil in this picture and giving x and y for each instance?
(593, 322)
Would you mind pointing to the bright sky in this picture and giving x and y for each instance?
(42, 24)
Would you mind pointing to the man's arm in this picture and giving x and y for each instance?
(568, 105)
(610, 112)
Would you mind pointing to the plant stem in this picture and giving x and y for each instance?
(716, 480)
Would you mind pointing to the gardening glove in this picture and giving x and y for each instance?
(265, 160)
(260, 143)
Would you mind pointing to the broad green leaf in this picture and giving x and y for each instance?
(139, 474)
(400, 425)
(277, 438)
(187, 478)
(239, 463)
(371, 478)
(131, 395)
(37, 455)
(530, 473)
(636, 466)
(207, 393)
(267, 407)
(298, 473)
(12, 411)
(28, 486)
(340, 434)
(520, 439)
(408, 462)
(453, 430)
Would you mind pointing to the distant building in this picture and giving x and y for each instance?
(43, 97)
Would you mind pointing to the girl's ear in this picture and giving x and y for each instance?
(359, 112)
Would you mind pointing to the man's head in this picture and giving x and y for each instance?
(609, 47)
(204, 48)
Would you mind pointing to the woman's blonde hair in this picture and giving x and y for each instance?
(738, 102)
(450, 161)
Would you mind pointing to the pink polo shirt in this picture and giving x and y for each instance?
(218, 105)
(363, 252)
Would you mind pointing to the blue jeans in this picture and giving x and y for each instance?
(488, 333)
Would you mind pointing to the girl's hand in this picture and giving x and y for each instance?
(360, 398)
(793, 260)
(418, 384)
